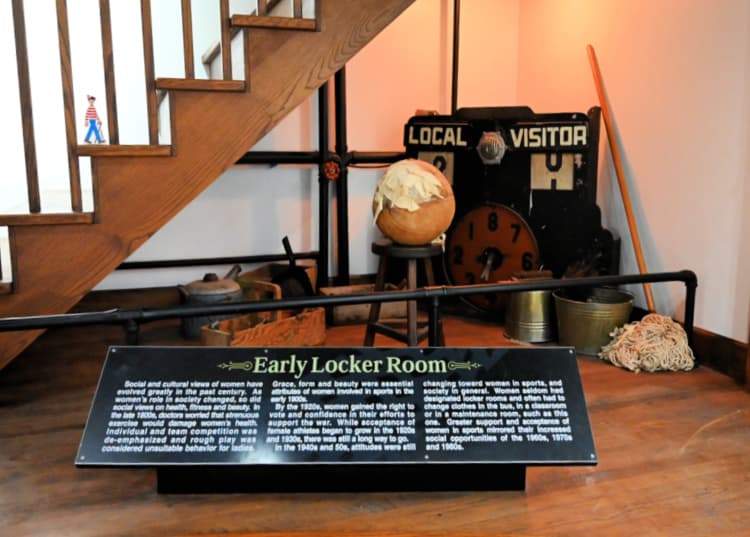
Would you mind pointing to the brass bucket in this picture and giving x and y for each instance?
(586, 317)
(529, 314)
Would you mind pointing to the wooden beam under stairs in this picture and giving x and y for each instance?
(54, 266)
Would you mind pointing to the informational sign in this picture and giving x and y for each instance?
(299, 407)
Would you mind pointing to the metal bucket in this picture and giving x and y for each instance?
(528, 316)
(586, 317)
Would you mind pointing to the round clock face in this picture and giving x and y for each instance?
(488, 244)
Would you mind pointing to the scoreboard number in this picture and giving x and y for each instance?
(442, 160)
(552, 171)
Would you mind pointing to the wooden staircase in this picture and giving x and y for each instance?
(58, 258)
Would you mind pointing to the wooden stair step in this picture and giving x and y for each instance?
(106, 150)
(280, 23)
(45, 219)
(197, 84)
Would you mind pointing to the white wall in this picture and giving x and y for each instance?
(676, 72)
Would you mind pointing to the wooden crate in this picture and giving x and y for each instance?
(359, 313)
(254, 289)
(305, 329)
(268, 271)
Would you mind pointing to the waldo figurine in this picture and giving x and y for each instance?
(93, 122)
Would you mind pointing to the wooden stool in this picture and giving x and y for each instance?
(386, 249)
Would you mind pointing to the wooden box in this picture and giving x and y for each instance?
(359, 313)
(269, 271)
(307, 328)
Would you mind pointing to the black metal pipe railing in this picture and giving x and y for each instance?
(279, 157)
(201, 261)
(433, 294)
(373, 157)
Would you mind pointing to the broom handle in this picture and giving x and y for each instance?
(621, 179)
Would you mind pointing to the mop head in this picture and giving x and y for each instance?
(656, 343)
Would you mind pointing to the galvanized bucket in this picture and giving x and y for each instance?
(586, 317)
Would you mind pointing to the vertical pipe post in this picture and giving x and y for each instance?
(342, 183)
(323, 186)
(454, 78)
(690, 287)
(27, 116)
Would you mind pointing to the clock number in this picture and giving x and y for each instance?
(470, 278)
(516, 231)
(527, 261)
(492, 221)
(458, 255)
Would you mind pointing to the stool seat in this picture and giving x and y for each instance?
(388, 248)
(414, 330)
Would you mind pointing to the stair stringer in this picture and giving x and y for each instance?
(55, 266)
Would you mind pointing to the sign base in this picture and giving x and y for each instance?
(340, 478)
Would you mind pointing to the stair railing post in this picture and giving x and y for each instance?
(226, 41)
(66, 73)
(109, 71)
(27, 120)
(187, 38)
(148, 66)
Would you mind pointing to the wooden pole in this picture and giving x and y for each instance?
(621, 179)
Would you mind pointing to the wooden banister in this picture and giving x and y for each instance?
(226, 41)
(148, 66)
(297, 9)
(187, 38)
(66, 72)
(262, 7)
(27, 120)
(109, 71)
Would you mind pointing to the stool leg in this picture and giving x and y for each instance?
(375, 308)
(430, 275)
(411, 307)
(428, 272)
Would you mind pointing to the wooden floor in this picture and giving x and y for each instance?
(674, 452)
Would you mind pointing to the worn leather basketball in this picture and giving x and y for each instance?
(413, 202)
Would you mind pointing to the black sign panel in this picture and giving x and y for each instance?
(197, 406)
